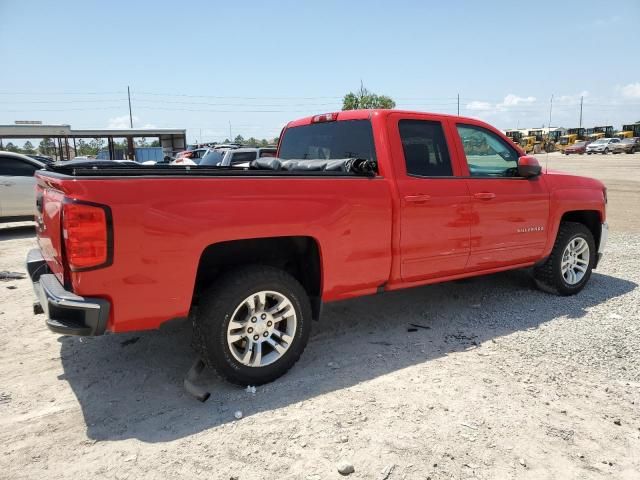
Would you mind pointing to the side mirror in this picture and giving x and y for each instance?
(528, 167)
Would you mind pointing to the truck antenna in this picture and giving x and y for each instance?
(546, 160)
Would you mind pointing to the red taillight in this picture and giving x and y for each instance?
(87, 237)
(325, 117)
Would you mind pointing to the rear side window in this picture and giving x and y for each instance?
(212, 157)
(330, 140)
(242, 157)
(13, 167)
(268, 153)
(425, 148)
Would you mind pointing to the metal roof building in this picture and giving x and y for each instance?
(171, 139)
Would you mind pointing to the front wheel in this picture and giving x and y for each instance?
(606, 150)
(568, 268)
(253, 325)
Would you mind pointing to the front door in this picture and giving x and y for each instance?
(17, 186)
(510, 213)
(434, 203)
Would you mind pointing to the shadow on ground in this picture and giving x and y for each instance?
(130, 386)
(17, 231)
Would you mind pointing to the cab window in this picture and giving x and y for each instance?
(13, 167)
(487, 154)
(425, 148)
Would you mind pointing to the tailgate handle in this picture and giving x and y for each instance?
(417, 198)
(484, 195)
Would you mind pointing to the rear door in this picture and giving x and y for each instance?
(510, 212)
(17, 186)
(434, 200)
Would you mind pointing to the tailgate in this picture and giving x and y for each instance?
(48, 222)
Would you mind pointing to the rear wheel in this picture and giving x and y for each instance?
(253, 325)
(568, 268)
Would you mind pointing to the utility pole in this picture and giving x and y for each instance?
(230, 135)
(581, 99)
(130, 115)
(458, 104)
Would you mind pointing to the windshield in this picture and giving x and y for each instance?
(628, 140)
(330, 140)
(602, 140)
(212, 157)
(564, 140)
(580, 144)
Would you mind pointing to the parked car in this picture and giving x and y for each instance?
(602, 145)
(578, 147)
(358, 202)
(626, 145)
(17, 186)
(243, 156)
(189, 157)
(41, 158)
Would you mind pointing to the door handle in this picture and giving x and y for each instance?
(484, 195)
(417, 198)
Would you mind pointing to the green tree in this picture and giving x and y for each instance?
(95, 145)
(28, 147)
(239, 139)
(10, 147)
(142, 142)
(252, 142)
(364, 99)
(155, 143)
(47, 146)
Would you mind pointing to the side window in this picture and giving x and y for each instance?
(425, 148)
(242, 157)
(487, 154)
(13, 167)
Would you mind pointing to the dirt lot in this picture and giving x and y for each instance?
(503, 382)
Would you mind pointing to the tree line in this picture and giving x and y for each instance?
(84, 147)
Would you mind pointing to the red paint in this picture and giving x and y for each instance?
(394, 230)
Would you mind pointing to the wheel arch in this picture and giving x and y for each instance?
(589, 218)
(300, 256)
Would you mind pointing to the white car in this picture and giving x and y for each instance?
(239, 157)
(602, 145)
(17, 186)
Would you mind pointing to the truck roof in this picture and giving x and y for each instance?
(366, 114)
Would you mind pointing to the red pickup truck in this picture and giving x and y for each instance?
(356, 203)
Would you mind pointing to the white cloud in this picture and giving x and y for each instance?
(571, 98)
(477, 105)
(512, 100)
(123, 122)
(631, 91)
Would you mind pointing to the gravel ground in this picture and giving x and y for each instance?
(502, 382)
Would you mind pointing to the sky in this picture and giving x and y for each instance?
(248, 67)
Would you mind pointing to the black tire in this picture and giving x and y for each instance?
(217, 307)
(548, 276)
(606, 150)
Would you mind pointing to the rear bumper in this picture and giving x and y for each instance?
(66, 312)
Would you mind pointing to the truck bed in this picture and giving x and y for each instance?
(165, 217)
